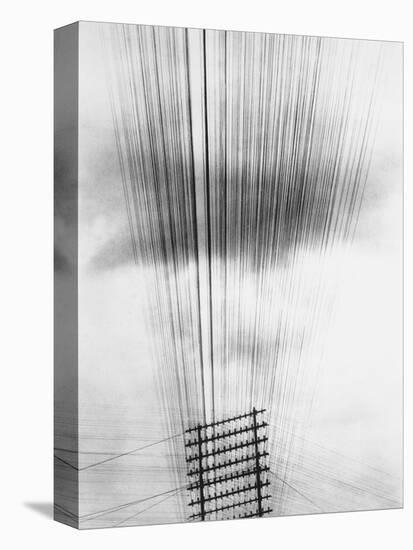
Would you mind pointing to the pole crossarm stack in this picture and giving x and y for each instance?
(227, 468)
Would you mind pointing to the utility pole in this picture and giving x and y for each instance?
(228, 473)
(201, 474)
(257, 462)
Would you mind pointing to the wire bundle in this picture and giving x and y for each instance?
(244, 158)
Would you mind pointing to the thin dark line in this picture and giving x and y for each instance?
(195, 227)
(66, 512)
(296, 490)
(208, 218)
(99, 513)
(117, 456)
(148, 508)
(67, 463)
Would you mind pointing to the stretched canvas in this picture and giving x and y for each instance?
(228, 275)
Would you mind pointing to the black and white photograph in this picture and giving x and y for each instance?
(206, 235)
(234, 216)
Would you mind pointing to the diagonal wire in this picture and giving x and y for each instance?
(99, 513)
(117, 456)
(297, 491)
(148, 508)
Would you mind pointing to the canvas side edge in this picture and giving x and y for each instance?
(66, 84)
